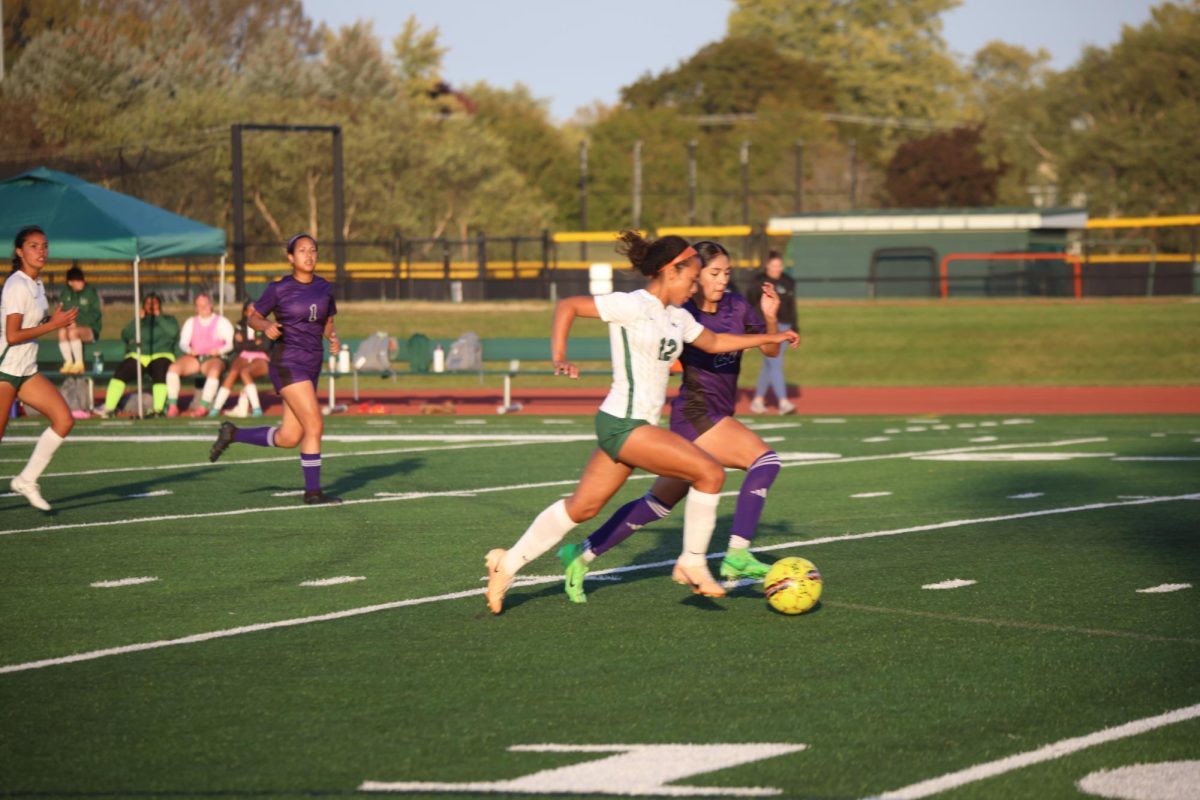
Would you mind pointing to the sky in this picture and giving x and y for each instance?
(573, 53)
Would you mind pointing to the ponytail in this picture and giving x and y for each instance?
(649, 257)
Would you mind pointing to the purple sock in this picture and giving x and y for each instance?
(627, 519)
(753, 495)
(311, 464)
(262, 437)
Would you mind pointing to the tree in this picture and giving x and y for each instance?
(942, 170)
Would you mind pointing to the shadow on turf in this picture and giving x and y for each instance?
(119, 493)
(355, 478)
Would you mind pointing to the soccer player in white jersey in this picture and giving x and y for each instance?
(647, 330)
(23, 316)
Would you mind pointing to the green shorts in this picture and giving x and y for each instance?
(16, 381)
(611, 432)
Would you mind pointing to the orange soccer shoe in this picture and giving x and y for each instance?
(698, 578)
(498, 580)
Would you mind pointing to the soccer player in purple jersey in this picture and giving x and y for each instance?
(304, 308)
(702, 413)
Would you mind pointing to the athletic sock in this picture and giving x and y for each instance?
(250, 391)
(546, 530)
(65, 349)
(208, 392)
(624, 521)
(260, 437)
(172, 389)
(222, 398)
(753, 495)
(699, 519)
(311, 464)
(112, 396)
(159, 392)
(76, 350)
(43, 451)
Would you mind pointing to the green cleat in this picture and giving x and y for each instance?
(571, 556)
(741, 563)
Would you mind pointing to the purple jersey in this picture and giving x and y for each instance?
(301, 309)
(709, 389)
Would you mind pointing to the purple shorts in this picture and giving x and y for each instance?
(691, 424)
(286, 374)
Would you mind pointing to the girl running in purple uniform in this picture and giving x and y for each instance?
(702, 413)
(648, 330)
(304, 308)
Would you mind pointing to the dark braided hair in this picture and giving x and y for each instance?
(649, 257)
(19, 242)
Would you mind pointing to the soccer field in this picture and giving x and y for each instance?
(1008, 610)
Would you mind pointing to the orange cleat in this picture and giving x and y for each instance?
(698, 578)
(498, 580)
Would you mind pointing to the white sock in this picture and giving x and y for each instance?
(546, 530)
(65, 349)
(43, 451)
(251, 391)
(738, 543)
(588, 556)
(699, 519)
(243, 404)
(77, 350)
(172, 387)
(222, 396)
(209, 390)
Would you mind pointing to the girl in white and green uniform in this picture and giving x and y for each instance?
(647, 329)
(23, 319)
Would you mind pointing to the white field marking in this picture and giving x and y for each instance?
(892, 431)
(334, 581)
(809, 456)
(454, 492)
(1029, 495)
(424, 495)
(965, 425)
(122, 582)
(10, 494)
(940, 427)
(1156, 458)
(1164, 780)
(348, 438)
(774, 439)
(382, 422)
(922, 421)
(773, 426)
(1007, 623)
(289, 493)
(1050, 752)
(470, 422)
(988, 424)
(1132, 496)
(530, 580)
(116, 424)
(829, 421)
(874, 439)
(13, 460)
(1163, 588)
(916, 429)
(862, 495)
(1010, 456)
(1157, 435)
(417, 601)
(954, 583)
(737, 583)
(549, 421)
(291, 458)
(984, 439)
(1017, 421)
(157, 493)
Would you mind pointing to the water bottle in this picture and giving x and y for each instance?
(439, 359)
(97, 363)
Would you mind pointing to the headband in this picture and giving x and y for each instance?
(687, 253)
(291, 243)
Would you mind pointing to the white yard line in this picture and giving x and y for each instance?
(334, 581)
(1164, 588)
(416, 601)
(459, 492)
(122, 582)
(351, 438)
(1050, 752)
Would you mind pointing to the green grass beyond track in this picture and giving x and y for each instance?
(958, 343)
(886, 683)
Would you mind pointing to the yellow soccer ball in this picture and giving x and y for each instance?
(793, 585)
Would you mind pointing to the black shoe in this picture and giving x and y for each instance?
(224, 438)
(318, 498)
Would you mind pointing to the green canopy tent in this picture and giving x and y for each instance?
(85, 221)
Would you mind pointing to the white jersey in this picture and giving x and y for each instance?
(646, 338)
(21, 295)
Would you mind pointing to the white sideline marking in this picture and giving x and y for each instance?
(289, 493)
(774, 439)
(940, 427)
(531, 580)
(772, 426)
(1163, 588)
(870, 494)
(988, 424)
(965, 425)
(549, 421)
(1157, 458)
(808, 456)
(874, 439)
(424, 495)
(348, 438)
(1157, 435)
(954, 583)
(416, 601)
(1027, 495)
(1017, 421)
(1009, 456)
(382, 422)
(1165, 780)
(115, 424)
(984, 439)
(158, 493)
(829, 421)
(915, 429)
(892, 430)
(470, 422)
(922, 421)
(459, 492)
(334, 581)
(1050, 752)
(122, 582)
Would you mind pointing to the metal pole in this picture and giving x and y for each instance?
(691, 167)
(239, 213)
(583, 193)
(637, 185)
(221, 288)
(137, 331)
(339, 215)
(853, 171)
(798, 200)
(745, 158)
